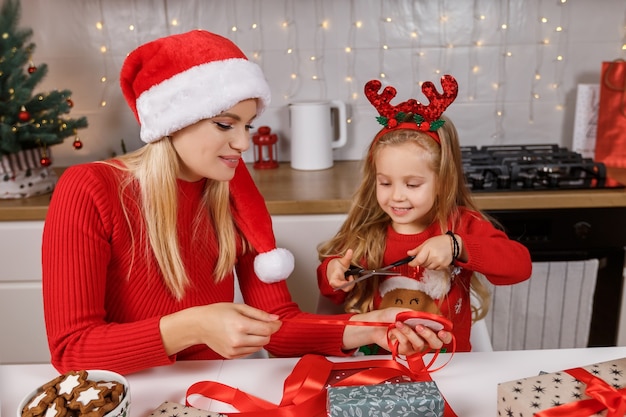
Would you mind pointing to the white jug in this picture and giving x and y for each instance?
(313, 133)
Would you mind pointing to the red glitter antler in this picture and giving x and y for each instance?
(392, 115)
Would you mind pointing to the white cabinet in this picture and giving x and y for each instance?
(22, 328)
(301, 234)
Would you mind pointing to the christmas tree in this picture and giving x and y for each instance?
(29, 121)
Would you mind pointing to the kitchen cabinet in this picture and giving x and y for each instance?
(22, 326)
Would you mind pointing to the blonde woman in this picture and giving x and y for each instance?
(139, 252)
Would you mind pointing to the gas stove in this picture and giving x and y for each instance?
(501, 168)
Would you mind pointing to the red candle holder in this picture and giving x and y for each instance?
(265, 149)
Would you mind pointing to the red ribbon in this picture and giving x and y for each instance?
(304, 391)
(603, 397)
(393, 347)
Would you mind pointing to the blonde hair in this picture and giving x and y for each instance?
(154, 170)
(365, 228)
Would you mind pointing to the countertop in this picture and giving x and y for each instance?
(289, 191)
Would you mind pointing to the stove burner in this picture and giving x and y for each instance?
(531, 168)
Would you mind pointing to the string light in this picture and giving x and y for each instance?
(292, 42)
(351, 54)
(498, 134)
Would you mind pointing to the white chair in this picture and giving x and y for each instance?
(479, 336)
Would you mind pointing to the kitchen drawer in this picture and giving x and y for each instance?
(20, 251)
(22, 327)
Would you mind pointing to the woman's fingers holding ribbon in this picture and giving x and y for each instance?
(421, 338)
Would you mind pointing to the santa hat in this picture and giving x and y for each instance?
(435, 284)
(173, 82)
(272, 264)
(176, 81)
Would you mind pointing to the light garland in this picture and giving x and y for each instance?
(289, 25)
(499, 86)
(551, 37)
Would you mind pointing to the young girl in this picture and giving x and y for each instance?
(413, 201)
(140, 252)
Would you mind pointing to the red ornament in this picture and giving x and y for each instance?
(23, 115)
(32, 69)
(70, 102)
(77, 143)
(45, 161)
(265, 149)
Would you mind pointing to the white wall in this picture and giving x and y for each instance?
(447, 33)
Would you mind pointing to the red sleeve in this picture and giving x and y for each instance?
(75, 256)
(293, 338)
(337, 297)
(503, 261)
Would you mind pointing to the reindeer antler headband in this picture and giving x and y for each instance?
(412, 114)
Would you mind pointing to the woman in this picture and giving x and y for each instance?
(139, 251)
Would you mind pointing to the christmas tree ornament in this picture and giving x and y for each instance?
(70, 102)
(23, 115)
(31, 67)
(77, 142)
(45, 160)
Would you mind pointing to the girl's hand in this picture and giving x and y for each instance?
(335, 271)
(435, 253)
(231, 330)
(409, 341)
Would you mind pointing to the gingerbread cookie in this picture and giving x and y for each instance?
(71, 383)
(88, 398)
(39, 403)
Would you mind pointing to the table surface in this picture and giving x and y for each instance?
(469, 381)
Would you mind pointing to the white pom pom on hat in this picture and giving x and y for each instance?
(176, 81)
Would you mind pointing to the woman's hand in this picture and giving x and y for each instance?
(335, 271)
(231, 330)
(409, 341)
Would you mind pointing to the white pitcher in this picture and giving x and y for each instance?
(313, 133)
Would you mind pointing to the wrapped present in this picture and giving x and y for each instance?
(593, 390)
(415, 399)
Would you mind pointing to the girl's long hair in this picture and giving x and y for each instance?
(154, 169)
(366, 225)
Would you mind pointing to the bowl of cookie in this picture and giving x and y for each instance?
(96, 393)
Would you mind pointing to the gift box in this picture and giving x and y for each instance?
(414, 399)
(593, 390)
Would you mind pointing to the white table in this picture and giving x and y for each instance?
(468, 382)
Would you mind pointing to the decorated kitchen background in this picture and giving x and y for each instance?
(518, 62)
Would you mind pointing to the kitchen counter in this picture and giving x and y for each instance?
(289, 191)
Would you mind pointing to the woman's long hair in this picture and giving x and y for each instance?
(154, 169)
(366, 225)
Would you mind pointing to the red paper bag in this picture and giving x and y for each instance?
(611, 134)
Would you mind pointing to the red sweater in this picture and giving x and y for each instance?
(490, 252)
(100, 317)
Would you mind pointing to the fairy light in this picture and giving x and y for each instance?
(416, 52)
(562, 46)
(319, 46)
(103, 29)
(504, 17)
(351, 54)
(382, 34)
(289, 26)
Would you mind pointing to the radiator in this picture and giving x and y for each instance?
(551, 310)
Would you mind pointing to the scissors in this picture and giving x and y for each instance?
(368, 273)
